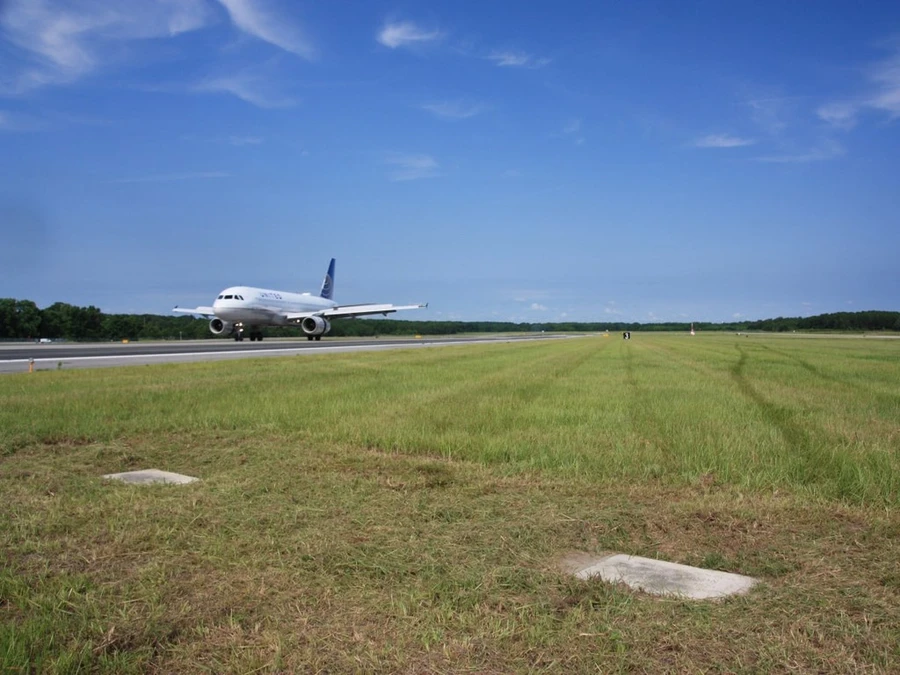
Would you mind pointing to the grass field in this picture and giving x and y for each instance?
(405, 511)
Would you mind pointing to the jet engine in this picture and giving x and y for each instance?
(315, 325)
(217, 326)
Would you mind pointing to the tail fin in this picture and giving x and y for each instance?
(328, 282)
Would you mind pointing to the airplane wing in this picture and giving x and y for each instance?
(206, 312)
(349, 311)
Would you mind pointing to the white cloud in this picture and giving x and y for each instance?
(825, 150)
(405, 34)
(516, 59)
(252, 17)
(64, 43)
(611, 310)
(536, 306)
(722, 141)
(571, 130)
(736, 315)
(772, 114)
(454, 110)
(571, 127)
(840, 114)
(253, 89)
(165, 178)
(886, 75)
(883, 96)
(412, 167)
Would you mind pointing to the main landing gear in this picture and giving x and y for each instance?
(254, 334)
(313, 337)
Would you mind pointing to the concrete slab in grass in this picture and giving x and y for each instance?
(148, 476)
(658, 576)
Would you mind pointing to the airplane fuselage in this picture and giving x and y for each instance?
(264, 307)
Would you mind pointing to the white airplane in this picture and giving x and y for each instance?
(242, 307)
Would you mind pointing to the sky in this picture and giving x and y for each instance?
(501, 160)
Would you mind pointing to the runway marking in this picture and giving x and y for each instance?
(262, 352)
(201, 355)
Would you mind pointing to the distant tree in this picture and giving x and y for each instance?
(28, 318)
(56, 320)
(8, 319)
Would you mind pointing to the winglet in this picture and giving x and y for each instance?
(328, 282)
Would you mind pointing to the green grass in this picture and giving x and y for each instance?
(405, 511)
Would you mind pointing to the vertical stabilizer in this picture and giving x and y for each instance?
(328, 282)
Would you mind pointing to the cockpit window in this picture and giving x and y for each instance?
(221, 297)
(229, 297)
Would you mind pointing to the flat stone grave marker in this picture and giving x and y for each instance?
(148, 476)
(658, 577)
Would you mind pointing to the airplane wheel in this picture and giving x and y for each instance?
(259, 337)
(318, 337)
(309, 337)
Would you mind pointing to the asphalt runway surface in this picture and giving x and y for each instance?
(16, 357)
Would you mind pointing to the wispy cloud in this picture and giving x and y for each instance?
(249, 87)
(405, 34)
(171, 177)
(60, 44)
(572, 129)
(538, 307)
(722, 141)
(454, 110)
(254, 18)
(886, 76)
(839, 114)
(883, 96)
(772, 114)
(508, 58)
(412, 167)
(824, 150)
(16, 122)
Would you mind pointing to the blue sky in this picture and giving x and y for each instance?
(545, 161)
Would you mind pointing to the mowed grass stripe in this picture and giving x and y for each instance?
(829, 435)
(658, 407)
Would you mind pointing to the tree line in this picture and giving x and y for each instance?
(24, 320)
(842, 321)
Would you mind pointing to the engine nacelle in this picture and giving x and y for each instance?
(315, 325)
(217, 327)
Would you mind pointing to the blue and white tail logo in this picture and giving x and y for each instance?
(328, 282)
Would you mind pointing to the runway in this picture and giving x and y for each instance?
(16, 357)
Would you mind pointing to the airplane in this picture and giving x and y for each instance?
(240, 307)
